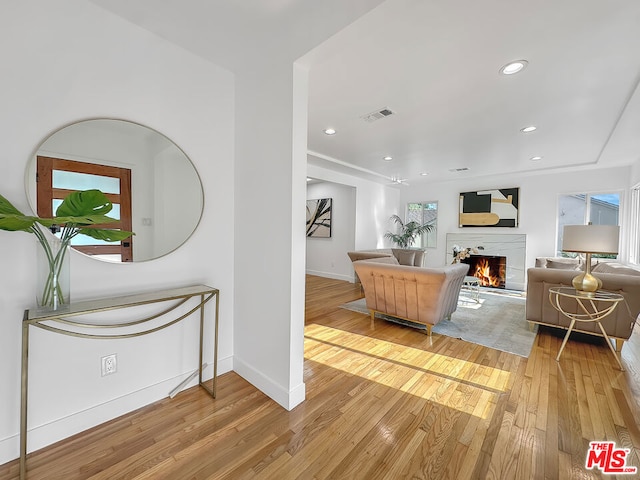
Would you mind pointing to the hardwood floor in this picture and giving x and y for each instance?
(382, 403)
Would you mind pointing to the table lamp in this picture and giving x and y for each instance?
(589, 239)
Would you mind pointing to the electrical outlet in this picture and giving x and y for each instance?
(109, 364)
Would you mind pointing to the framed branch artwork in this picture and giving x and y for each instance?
(489, 208)
(319, 218)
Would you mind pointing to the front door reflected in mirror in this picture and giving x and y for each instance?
(154, 187)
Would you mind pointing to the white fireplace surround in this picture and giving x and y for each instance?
(512, 246)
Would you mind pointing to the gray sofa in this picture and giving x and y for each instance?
(618, 278)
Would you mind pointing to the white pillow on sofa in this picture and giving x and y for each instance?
(569, 264)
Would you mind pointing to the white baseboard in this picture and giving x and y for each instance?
(286, 398)
(335, 276)
(43, 435)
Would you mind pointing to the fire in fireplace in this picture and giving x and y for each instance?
(490, 270)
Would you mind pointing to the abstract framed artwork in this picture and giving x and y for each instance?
(489, 208)
(319, 218)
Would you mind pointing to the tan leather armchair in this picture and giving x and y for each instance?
(420, 295)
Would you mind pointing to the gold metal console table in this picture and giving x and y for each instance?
(57, 321)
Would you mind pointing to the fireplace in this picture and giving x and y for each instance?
(490, 270)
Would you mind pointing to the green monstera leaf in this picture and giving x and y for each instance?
(84, 204)
(76, 215)
(16, 223)
(108, 235)
(77, 210)
(6, 207)
(12, 219)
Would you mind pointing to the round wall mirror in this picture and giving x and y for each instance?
(154, 187)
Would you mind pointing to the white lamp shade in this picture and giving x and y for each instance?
(591, 238)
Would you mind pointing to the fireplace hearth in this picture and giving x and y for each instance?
(490, 270)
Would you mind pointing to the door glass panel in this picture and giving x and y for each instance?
(114, 213)
(79, 240)
(85, 181)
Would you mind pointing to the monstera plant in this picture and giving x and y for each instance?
(78, 214)
(408, 232)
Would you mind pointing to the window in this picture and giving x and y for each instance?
(424, 213)
(582, 208)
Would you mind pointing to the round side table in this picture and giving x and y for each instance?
(591, 308)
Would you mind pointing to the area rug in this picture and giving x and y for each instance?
(496, 321)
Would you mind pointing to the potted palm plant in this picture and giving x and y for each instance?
(78, 214)
(408, 232)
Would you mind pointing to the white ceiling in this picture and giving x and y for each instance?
(435, 64)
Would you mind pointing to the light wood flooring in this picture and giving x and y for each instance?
(382, 403)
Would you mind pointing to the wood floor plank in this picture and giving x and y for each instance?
(383, 401)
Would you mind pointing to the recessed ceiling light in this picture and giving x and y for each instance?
(424, 174)
(330, 131)
(529, 129)
(387, 158)
(514, 67)
(535, 159)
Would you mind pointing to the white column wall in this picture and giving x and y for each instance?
(269, 261)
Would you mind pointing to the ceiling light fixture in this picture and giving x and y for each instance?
(424, 174)
(514, 67)
(330, 131)
(535, 159)
(529, 129)
(387, 158)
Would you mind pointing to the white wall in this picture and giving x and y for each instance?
(70, 60)
(327, 257)
(538, 204)
(269, 196)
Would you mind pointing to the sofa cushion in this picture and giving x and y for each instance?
(568, 264)
(610, 267)
(405, 257)
(418, 260)
(365, 255)
(390, 260)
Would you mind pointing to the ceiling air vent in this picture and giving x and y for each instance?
(377, 115)
(462, 169)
